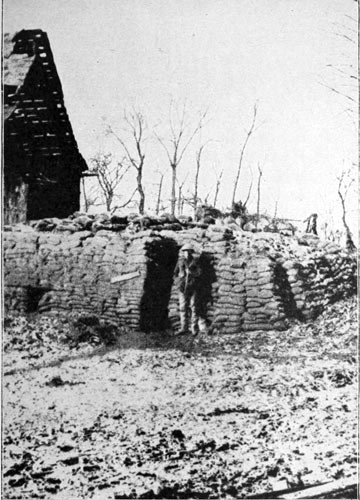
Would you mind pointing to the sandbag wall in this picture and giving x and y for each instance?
(60, 272)
(20, 269)
(231, 302)
(265, 301)
(321, 279)
(251, 281)
(244, 292)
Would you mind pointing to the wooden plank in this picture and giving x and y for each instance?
(125, 277)
(323, 490)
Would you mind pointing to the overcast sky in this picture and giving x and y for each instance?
(221, 54)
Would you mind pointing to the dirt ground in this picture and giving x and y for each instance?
(156, 416)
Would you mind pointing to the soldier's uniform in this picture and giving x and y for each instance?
(311, 224)
(187, 278)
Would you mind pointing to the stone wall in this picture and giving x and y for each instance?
(252, 281)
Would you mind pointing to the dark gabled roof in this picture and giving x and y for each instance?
(27, 54)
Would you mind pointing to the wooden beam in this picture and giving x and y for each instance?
(325, 489)
(125, 277)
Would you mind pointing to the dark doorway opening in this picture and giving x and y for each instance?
(33, 297)
(208, 277)
(162, 256)
(283, 290)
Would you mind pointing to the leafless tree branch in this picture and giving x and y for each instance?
(178, 145)
(242, 151)
(136, 125)
(345, 180)
(108, 176)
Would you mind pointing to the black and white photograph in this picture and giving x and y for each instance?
(180, 249)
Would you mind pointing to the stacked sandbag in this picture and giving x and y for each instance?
(117, 222)
(251, 281)
(326, 275)
(228, 316)
(57, 265)
(264, 304)
(81, 222)
(298, 285)
(20, 266)
(122, 303)
(94, 262)
(74, 271)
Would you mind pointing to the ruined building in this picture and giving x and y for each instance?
(42, 163)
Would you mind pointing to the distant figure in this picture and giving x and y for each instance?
(240, 214)
(207, 214)
(311, 227)
(187, 278)
(349, 244)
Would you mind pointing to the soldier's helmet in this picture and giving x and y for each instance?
(187, 248)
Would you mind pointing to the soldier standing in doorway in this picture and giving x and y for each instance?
(187, 278)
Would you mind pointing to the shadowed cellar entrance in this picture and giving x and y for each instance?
(162, 257)
(33, 297)
(282, 288)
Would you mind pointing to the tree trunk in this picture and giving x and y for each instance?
(159, 195)
(258, 198)
(173, 189)
(140, 191)
(242, 155)
(179, 200)
(276, 209)
(217, 188)
(86, 208)
(109, 200)
(350, 245)
(197, 181)
(216, 193)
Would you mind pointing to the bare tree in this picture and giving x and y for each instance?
(346, 73)
(90, 197)
(345, 180)
(250, 188)
(109, 176)
(181, 135)
(135, 154)
(217, 187)
(196, 183)
(199, 153)
(258, 195)
(130, 202)
(181, 199)
(158, 201)
(242, 151)
(206, 199)
(276, 208)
